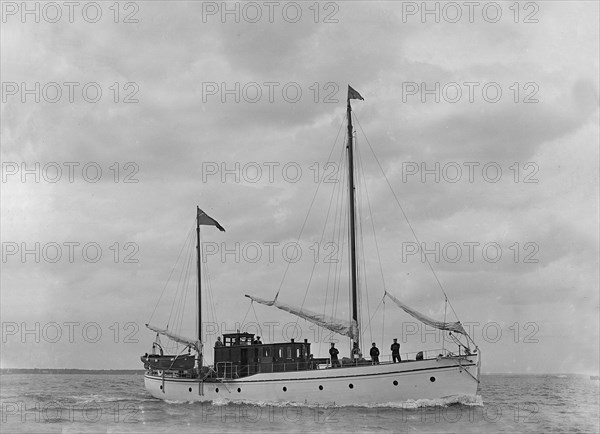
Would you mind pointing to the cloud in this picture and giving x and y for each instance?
(197, 111)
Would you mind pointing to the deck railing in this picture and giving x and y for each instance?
(230, 370)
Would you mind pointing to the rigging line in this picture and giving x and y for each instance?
(383, 322)
(341, 242)
(345, 243)
(333, 264)
(206, 287)
(248, 311)
(210, 306)
(332, 238)
(170, 274)
(374, 232)
(178, 319)
(178, 287)
(371, 319)
(362, 244)
(208, 290)
(309, 210)
(257, 321)
(210, 293)
(406, 218)
(444, 340)
(338, 231)
(318, 250)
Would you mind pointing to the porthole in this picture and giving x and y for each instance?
(351, 386)
(284, 389)
(239, 390)
(432, 379)
(190, 389)
(160, 387)
(320, 387)
(217, 390)
(395, 383)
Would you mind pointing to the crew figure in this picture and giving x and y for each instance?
(219, 343)
(395, 351)
(356, 353)
(333, 353)
(374, 354)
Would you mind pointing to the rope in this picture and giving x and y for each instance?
(383, 322)
(308, 213)
(248, 311)
(406, 218)
(361, 238)
(257, 321)
(180, 284)
(170, 275)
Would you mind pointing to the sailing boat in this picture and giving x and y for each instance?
(247, 370)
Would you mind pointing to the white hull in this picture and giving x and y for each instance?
(444, 378)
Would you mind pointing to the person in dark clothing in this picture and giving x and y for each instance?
(395, 351)
(356, 353)
(374, 354)
(333, 353)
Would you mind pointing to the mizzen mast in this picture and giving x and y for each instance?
(199, 265)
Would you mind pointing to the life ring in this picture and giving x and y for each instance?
(159, 373)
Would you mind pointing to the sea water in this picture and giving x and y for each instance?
(62, 403)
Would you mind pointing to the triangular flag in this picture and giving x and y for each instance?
(204, 219)
(352, 94)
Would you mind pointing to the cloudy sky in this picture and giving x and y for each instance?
(118, 122)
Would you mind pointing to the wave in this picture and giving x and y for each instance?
(468, 400)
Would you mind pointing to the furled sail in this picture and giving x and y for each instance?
(341, 327)
(452, 326)
(174, 336)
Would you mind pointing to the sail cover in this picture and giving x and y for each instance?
(174, 336)
(452, 326)
(341, 327)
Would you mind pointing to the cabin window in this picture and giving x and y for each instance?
(289, 352)
(266, 352)
(281, 352)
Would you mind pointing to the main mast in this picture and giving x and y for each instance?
(353, 285)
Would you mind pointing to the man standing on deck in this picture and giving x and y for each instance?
(374, 354)
(395, 351)
(333, 352)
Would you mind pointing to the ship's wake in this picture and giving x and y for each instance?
(467, 400)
